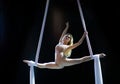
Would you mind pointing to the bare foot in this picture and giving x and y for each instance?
(25, 61)
(101, 55)
(29, 62)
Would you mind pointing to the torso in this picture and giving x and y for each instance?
(60, 47)
(59, 50)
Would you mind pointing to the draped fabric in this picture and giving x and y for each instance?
(32, 74)
(97, 65)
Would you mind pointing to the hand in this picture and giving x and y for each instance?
(86, 33)
(67, 24)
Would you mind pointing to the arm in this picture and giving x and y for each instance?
(82, 38)
(64, 31)
(79, 42)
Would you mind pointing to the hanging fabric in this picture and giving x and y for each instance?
(97, 65)
(32, 74)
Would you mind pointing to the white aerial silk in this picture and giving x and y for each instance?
(32, 74)
(97, 65)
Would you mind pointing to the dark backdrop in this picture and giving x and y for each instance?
(20, 24)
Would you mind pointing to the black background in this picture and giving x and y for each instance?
(20, 24)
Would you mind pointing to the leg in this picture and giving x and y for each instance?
(49, 65)
(70, 62)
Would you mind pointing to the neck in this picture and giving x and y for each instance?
(65, 43)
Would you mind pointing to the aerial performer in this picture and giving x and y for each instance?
(63, 51)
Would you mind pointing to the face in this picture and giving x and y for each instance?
(66, 39)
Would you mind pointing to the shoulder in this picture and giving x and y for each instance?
(60, 45)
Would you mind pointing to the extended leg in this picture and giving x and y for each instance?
(70, 62)
(49, 65)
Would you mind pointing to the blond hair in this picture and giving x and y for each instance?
(68, 52)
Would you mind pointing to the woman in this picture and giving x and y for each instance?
(63, 51)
